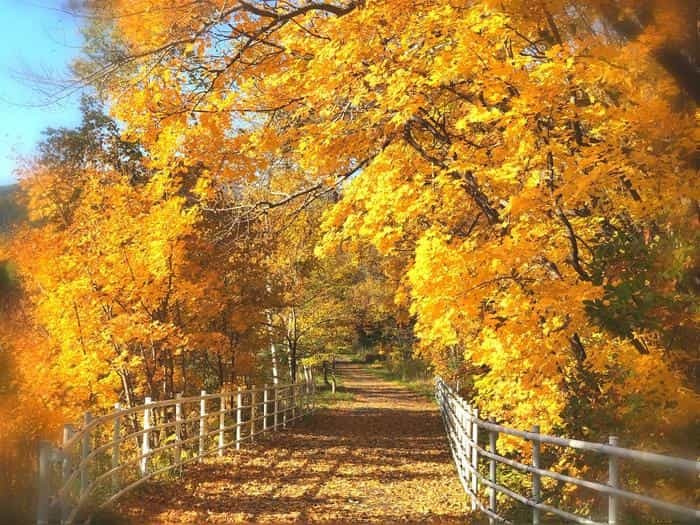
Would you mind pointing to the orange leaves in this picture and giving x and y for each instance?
(499, 145)
(103, 278)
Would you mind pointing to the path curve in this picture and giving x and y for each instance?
(380, 458)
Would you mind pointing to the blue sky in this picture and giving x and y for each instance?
(35, 36)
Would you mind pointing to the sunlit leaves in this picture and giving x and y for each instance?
(501, 144)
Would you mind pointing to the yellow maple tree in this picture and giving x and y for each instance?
(500, 142)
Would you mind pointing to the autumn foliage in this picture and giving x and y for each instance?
(510, 150)
(515, 181)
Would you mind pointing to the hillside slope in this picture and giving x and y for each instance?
(10, 209)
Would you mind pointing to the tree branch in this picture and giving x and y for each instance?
(575, 259)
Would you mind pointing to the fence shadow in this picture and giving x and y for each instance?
(380, 459)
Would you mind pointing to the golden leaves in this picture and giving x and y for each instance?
(483, 127)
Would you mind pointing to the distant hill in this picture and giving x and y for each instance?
(8, 188)
(10, 213)
(10, 209)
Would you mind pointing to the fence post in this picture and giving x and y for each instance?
(68, 433)
(313, 387)
(115, 448)
(493, 437)
(84, 453)
(302, 397)
(536, 487)
(294, 400)
(178, 429)
(276, 405)
(202, 422)
(307, 388)
(464, 441)
(42, 513)
(222, 424)
(464, 457)
(475, 456)
(266, 400)
(453, 415)
(252, 414)
(239, 417)
(146, 438)
(284, 410)
(468, 453)
(309, 396)
(614, 482)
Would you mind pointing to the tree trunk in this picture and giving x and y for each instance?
(273, 350)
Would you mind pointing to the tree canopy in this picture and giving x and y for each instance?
(512, 183)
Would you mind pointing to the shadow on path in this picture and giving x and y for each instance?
(380, 458)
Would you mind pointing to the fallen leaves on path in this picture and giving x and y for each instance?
(380, 458)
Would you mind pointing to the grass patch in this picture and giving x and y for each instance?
(421, 386)
(327, 399)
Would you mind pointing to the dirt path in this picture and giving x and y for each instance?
(380, 458)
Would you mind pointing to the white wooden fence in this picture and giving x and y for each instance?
(116, 452)
(478, 471)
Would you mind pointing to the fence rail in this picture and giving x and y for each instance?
(463, 426)
(116, 452)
